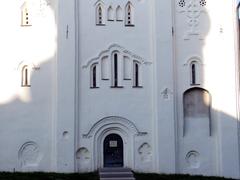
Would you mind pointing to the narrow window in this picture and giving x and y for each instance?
(136, 71)
(94, 76)
(115, 83)
(26, 16)
(193, 69)
(129, 15)
(25, 77)
(99, 15)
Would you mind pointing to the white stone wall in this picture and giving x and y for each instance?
(59, 122)
(26, 131)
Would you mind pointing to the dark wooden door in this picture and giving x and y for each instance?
(113, 151)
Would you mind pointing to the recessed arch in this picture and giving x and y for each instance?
(197, 111)
(110, 13)
(113, 121)
(119, 13)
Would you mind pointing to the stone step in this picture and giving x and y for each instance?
(123, 178)
(116, 174)
(114, 169)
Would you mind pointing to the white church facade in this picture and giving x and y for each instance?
(152, 85)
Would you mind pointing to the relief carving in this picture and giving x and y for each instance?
(29, 154)
(145, 152)
(192, 9)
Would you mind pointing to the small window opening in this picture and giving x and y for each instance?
(26, 20)
(136, 71)
(25, 77)
(94, 76)
(115, 83)
(99, 15)
(129, 15)
(193, 68)
(136, 75)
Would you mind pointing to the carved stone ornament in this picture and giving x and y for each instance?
(193, 10)
(166, 93)
(29, 154)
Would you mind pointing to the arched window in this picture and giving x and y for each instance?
(196, 105)
(26, 76)
(129, 15)
(93, 76)
(110, 14)
(99, 14)
(194, 73)
(26, 16)
(136, 78)
(115, 70)
(119, 14)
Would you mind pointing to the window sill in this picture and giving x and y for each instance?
(116, 86)
(129, 25)
(94, 87)
(137, 86)
(195, 84)
(105, 79)
(100, 24)
(26, 86)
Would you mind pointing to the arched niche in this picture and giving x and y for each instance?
(197, 112)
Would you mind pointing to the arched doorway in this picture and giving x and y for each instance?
(113, 151)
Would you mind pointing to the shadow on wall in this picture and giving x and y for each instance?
(26, 119)
(27, 84)
(206, 118)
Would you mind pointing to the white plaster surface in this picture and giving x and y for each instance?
(59, 123)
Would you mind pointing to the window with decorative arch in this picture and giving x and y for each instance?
(115, 69)
(129, 14)
(195, 73)
(25, 73)
(26, 15)
(136, 74)
(100, 15)
(93, 76)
